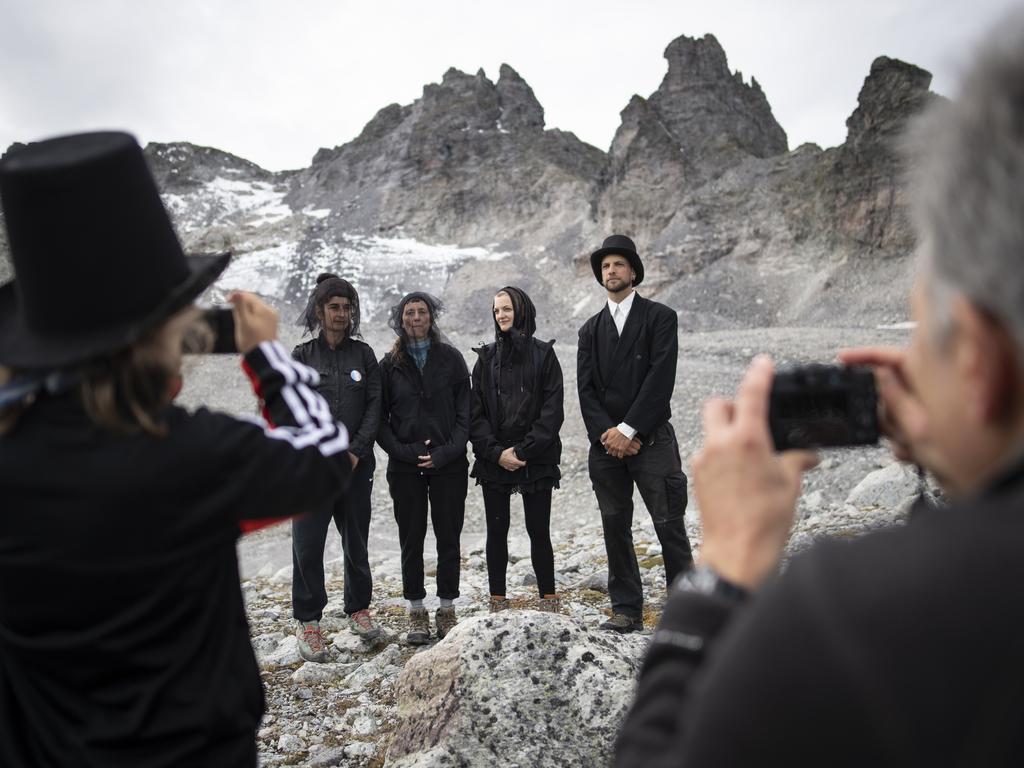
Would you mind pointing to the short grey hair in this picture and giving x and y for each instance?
(967, 185)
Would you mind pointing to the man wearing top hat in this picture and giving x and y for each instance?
(626, 370)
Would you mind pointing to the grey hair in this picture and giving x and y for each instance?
(967, 180)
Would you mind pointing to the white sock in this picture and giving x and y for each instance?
(446, 602)
(415, 604)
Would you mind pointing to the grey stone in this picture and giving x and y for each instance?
(311, 672)
(891, 487)
(286, 653)
(539, 689)
(290, 743)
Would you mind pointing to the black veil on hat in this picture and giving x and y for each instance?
(434, 306)
(328, 285)
(85, 222)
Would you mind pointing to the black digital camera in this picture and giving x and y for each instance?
(221, 322)
(822, 406)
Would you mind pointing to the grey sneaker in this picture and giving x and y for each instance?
(311, 642)
(619, 622)
(445, 620)
(362, 623)
(419, 627)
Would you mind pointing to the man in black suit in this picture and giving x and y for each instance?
(626, 370)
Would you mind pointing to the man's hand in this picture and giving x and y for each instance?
(508, 460)
(255, 322)
(617, 444)
(747, 493)
(900, 414)
(354, 459)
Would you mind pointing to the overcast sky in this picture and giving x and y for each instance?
(273, 81)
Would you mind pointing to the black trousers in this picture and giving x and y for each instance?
(446, 494)
(658, 473)
(537, 508)
(351, 515)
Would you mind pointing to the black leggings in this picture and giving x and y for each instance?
(537, 506)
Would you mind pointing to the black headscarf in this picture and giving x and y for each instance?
(329, 286)
(524, 323)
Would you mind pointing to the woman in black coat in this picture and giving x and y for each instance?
(516, 416)
(424, 429)
(123, 633)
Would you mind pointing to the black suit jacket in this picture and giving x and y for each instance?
(628, 379)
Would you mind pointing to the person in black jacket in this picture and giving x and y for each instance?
(424, 428)
(626, 371)
(515, 418)
(350, 382)
(902, 648)
(123, 633)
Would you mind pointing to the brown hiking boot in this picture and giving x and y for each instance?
(419, 627)
(311, 642)
(362, 623)
(445, 620)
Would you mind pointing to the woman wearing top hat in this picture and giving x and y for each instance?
(424, 428)
(123, 636)
(515, 418)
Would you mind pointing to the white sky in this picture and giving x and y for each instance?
(273, 81)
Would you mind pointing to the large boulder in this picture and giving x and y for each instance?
(517, 689)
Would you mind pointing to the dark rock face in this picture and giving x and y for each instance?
(701, 121)
(734, 229)
(469, 162)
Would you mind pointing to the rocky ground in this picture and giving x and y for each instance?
(347, 712)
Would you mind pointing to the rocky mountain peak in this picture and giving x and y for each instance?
(892, 92)
(181, 166)
(696, 60)
(716, 117)
(520, 109)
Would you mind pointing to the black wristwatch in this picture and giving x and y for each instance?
(704, 580)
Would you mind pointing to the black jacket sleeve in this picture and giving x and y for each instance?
(366, 433)
(732, 686)
(481, 433)
(649, 406)
(595, 417)
(397, 450)
(544, 430)
(301, 446)
(456, 445)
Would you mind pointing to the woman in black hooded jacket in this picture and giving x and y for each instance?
(516, 413)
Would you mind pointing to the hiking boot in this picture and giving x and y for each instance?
(445, 620)
(362, 623)
(620, 622)
(549, 605)
(419, 627)
(311, 642)
(498, 604)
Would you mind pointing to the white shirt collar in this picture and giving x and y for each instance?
(625, 305)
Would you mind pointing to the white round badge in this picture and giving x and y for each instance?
(356, 376)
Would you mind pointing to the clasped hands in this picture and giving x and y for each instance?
(618, 446)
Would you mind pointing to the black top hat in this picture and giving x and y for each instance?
(96, 260)
(623, 246)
